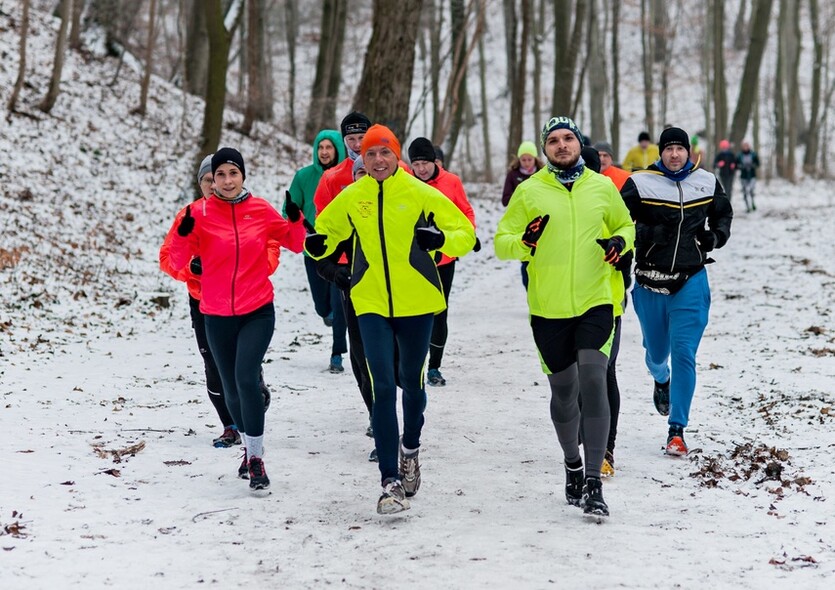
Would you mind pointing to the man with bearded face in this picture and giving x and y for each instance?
(558, 220)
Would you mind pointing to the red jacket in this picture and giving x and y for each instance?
(450, 185)
(332, 183)
(232, 242)
(185, 275)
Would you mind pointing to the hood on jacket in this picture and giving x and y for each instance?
(336, 139)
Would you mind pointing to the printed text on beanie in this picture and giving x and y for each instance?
(378, 135)
(674, 136)
(228, 155)
(559, 123)
(354, 122)
(421, 150)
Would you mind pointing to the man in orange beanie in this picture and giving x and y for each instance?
(398, 223)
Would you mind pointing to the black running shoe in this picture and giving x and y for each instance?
(258, 479)
(243, 469)
(593, 502)
(661, 398)
(574, 485)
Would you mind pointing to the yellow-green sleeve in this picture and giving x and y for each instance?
(459, 235)
(334, 223)
(508, 242)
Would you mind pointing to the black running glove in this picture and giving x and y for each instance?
(291, 209)
(707, 240)
(533, 231)
(612, 247)
(196, 266)
(477, 246)
(429, 237)
(186, 223)
(342, 278)
(315, 244)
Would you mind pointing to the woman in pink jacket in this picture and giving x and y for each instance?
(230, 234)
(190, 275)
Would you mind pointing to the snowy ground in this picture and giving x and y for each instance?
(490, 512)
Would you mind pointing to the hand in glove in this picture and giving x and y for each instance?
(625, 262)
(315, 243)
(477, 246)
(186, 223)
(429, 237)
(612, 247)
(342, 277)
(533, 231)
(707, 240)
(196, 266)
(291, 209)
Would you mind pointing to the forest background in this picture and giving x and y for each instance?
(432, 68)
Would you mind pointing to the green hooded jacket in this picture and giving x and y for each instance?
(306, 180)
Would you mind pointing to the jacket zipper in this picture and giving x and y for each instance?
(381, 229)
(680, 223)
(237, 257)
(573, 254)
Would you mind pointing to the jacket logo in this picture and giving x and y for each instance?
(365, 208)
(247, 216)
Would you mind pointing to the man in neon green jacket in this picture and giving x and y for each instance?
(398, 222)
(558, 220)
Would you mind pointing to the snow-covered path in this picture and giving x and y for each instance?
(490, 512)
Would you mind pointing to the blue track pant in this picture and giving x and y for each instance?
(672, 326)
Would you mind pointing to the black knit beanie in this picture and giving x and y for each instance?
(228, 155)
(674, 136)
(421, 150)
(354, 122)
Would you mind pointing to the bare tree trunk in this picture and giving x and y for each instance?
(48, 102)
(458, 20)
(291, 13)
(779, 100)
(615, 132)
(597, 80)
(740, 28)
(219, 40)
(792, 86)
(660, 25)
(566, 58)
(436, 18)
(562, 34)
(517, 96)
(386, 83)
(482, 75)
(322, 111)
(196, 70)
(751, 71)
(707, 99)
(813, 132)
(539, 34)
(75, 30)
(149, 60)
(11, 106)
(720, 93)
(647, 52)
(258, 105)
(510, 27)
